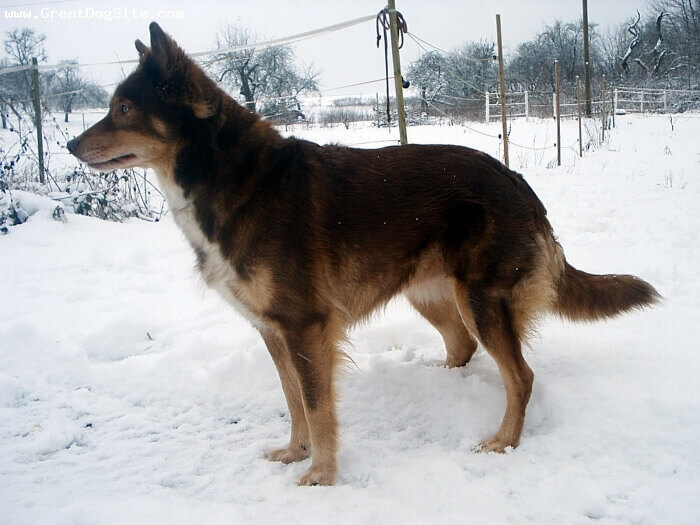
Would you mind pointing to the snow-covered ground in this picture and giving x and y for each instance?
(129, 393)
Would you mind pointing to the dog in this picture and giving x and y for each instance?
(308, 240)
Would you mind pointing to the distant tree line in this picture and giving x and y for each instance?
(657, 48)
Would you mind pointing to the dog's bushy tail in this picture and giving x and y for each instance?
(583, 296)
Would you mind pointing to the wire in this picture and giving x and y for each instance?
(248, 47)
(50, 95)
(416, 37)
(37, 3)
(289, 39)
(449, 70)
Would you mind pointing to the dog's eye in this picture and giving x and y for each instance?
(125, 108)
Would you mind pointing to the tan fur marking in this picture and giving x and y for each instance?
(160, 126)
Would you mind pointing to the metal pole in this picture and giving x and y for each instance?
(501, 76)
(586, 58)
(556, 73)
(398, 79)
(37, 119)
(578, 103)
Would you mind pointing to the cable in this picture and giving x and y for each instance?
(37, 3)
(449, 70)
(250, 47)
(414, 36)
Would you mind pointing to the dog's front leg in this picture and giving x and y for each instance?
(299, 443)
(313, 349)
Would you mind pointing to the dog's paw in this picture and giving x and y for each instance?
(496, 444)
(317, 476)
(288, 454)
(452, 362)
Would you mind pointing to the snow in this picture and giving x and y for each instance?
(130, 393)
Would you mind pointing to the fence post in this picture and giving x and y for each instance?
(612, 110)
(602, 108)
(615, 104)
(37, 119)
(578, 103)
(641, 105)
(487, 110)
(377, 111)
(665, 102)
(398, 79)
(501, 76)
(527, 105)
(558, 108)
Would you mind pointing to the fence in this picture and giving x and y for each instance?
(649, 100)
(513, 107)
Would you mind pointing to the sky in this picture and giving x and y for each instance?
(105, 30)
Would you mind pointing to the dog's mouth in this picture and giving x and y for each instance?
(122, 161)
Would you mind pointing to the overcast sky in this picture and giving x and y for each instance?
(344, 57)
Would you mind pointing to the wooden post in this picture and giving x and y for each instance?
(586, 58)
(556, 73)
(398, 79)
(501, 76)
(578, 104)
(641, 103)
(84, 121)
(615, 96)
(487, 110)
(602, 110)
(37, 119)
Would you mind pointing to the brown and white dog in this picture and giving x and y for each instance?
(307, 240)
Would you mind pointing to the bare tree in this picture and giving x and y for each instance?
(681, 30)
(465, 72)
(68, 88)
(533, 63)
(21, 45)
(649, 61)
(267, 73)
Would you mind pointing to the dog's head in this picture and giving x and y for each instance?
(152, 111)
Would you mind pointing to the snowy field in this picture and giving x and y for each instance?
(129, 393)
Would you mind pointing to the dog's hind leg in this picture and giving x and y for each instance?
(493, 318)
(299, 443)
(444, 316)
(314, 352)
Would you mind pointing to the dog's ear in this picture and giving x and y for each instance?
(184, 83)
(142, 49)
(164, 50)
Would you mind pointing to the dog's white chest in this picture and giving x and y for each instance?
(217, 272)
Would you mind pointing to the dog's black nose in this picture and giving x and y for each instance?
(72, 145)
